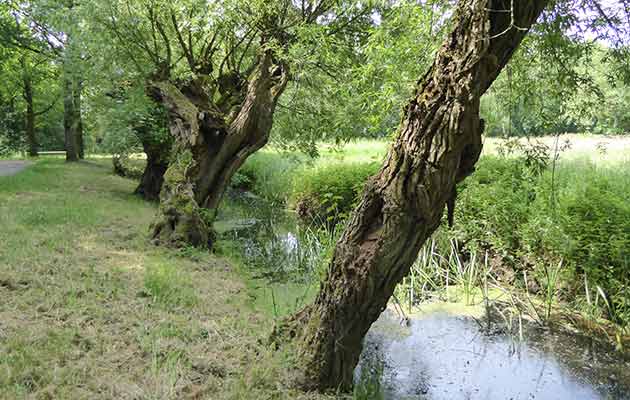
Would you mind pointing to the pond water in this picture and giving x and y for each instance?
(439, 355)
(445, 356)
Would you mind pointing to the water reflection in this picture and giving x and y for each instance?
(441, 356)
(274, 246)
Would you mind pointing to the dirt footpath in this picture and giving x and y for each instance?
(12, 167)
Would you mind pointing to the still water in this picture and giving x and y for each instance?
(440, 355)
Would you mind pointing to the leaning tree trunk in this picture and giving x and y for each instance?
(157, 164)
(438, 145)
(209, 146)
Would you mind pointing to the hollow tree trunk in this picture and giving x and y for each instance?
(153, 175)
(31, 139)
(438, 145)
(209, 146)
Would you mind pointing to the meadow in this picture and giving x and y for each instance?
(92, 310)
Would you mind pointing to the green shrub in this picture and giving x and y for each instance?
(327, 193)
(493, 203)
(587, 223)
(268, 174)
(321, 189)
(580, 213)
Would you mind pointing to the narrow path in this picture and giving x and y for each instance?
(12, 167)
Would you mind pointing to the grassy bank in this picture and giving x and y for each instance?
(91, 310)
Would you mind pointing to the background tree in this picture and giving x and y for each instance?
(27, 70)
(52, 29)
(561, 79)
(219, 70)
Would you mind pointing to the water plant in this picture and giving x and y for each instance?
(550, 281)
(369, 385)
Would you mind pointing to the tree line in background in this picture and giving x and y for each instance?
(560, 81)
(200, 86)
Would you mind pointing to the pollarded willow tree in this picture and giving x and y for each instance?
(219, 69)
(438, 144)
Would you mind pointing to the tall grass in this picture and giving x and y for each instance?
(169, 286)
(443, 274)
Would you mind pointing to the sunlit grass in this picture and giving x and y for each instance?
(91, 309)
(599, 148)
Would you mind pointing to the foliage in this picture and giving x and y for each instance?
(327, 193)
(589, 227)
(21, 68)
(350, 71)
(357, 92)
(561, 80)
(510, 185)
(582, 217)
(128, 118)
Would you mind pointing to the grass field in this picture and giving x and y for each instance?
(91, 309)
(609, 149)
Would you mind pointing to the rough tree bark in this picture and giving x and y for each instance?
(69, 116)
(153, 175)
(31, 139)
(211, 141)
(438, 145)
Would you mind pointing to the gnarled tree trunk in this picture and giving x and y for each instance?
(438, 145)
(210, 144)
